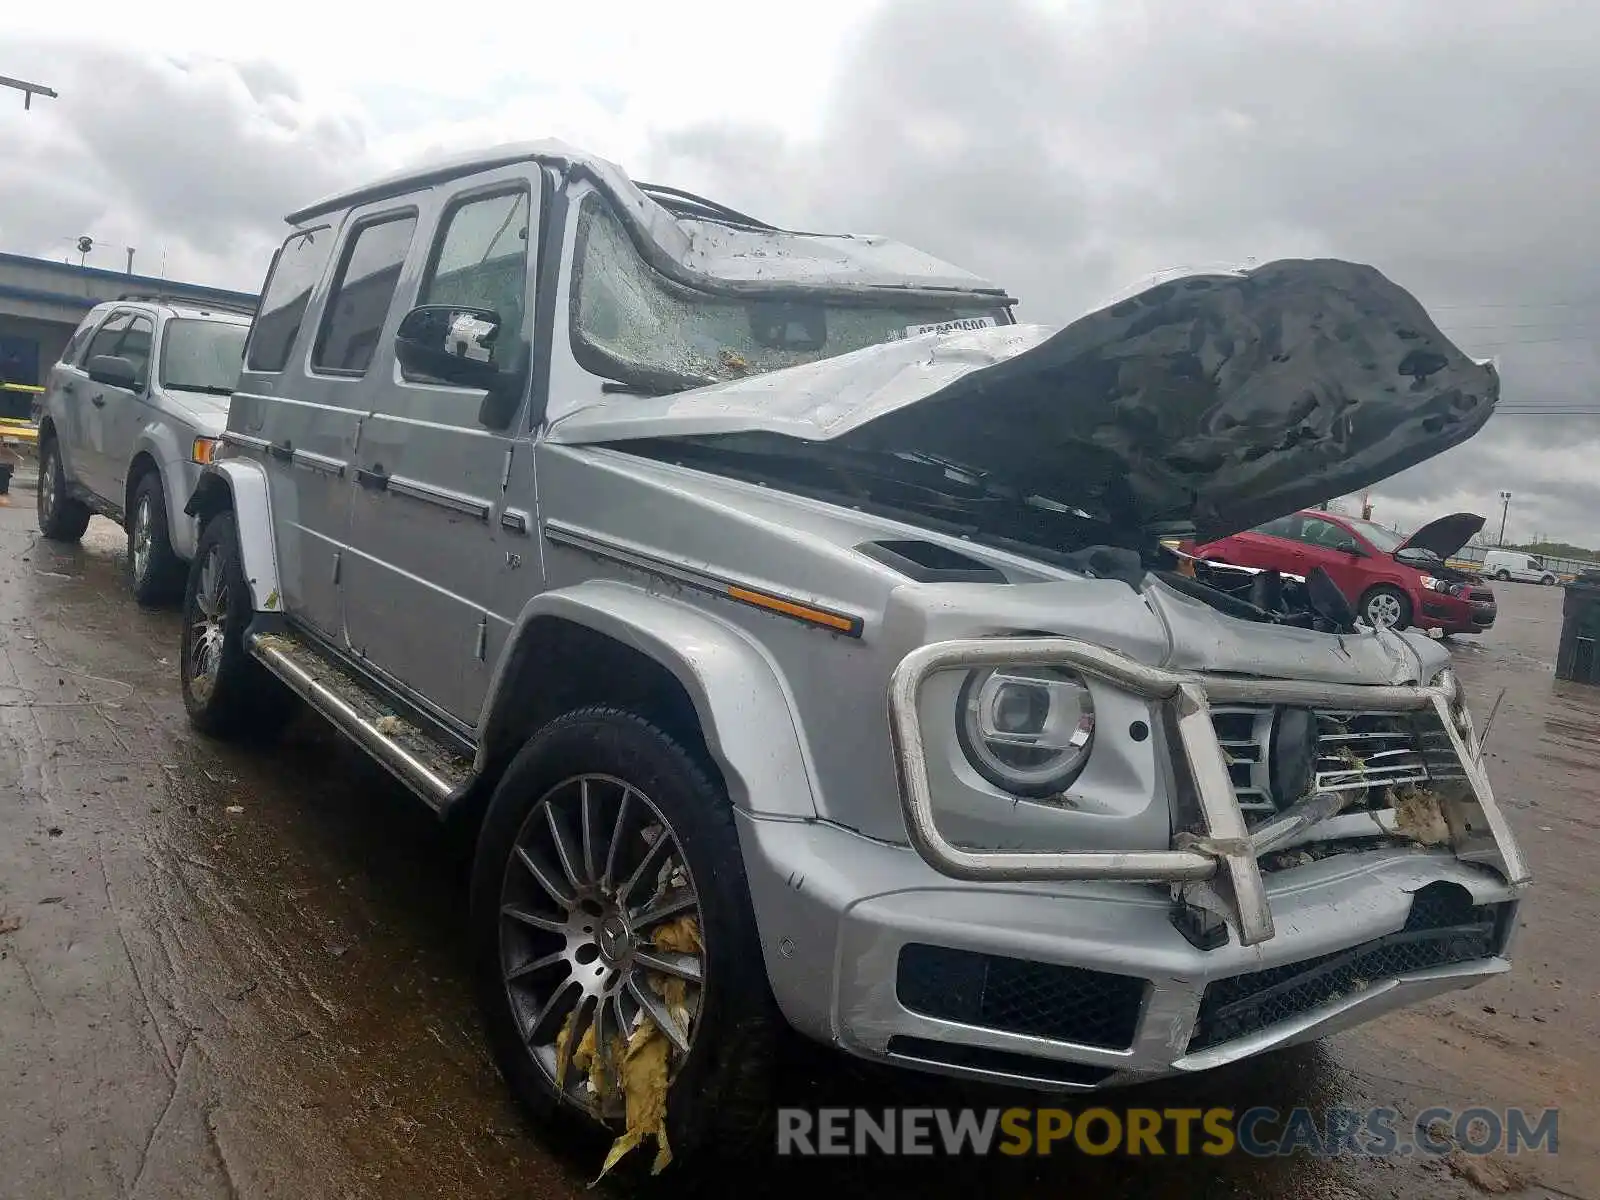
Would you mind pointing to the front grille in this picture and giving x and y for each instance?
(1354, 749)
(1444, 927)
(1065, 1004)
(1481, 596)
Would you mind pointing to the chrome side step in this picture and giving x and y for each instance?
(434, 772)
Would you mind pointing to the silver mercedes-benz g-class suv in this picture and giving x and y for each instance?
(797, 635)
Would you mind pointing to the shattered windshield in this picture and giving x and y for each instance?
(202, 356)
(631, 323)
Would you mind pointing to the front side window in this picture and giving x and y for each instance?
(79, 339)
(126, 335)
(1326, 534)
(202, 356)
(295, 270)
(358, 305)
(632, 323)
(105, 342)
(481, 261)
(1283, 527)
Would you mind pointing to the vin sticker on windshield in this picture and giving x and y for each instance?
(951, 326)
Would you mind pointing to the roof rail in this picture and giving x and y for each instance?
(219, 303)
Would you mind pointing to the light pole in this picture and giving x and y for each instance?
(1505, 507)
(28, 90)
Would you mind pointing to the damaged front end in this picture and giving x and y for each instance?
(1260, 769)
(1203, 806)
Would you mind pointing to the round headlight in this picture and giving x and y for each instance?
(1027, 730)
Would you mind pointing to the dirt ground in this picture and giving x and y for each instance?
(230, 973)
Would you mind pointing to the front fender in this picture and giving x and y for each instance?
(171, 456)
(745, 708)
(241, 485)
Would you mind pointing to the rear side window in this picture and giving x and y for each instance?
(80, 338)
(358, 305)
(296, 268)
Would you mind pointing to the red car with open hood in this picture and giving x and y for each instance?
(1391, 580)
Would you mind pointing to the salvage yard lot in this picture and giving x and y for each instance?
(235, 973)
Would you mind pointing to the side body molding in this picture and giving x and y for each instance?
(242, 485)
(745, 709)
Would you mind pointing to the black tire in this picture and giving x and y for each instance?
(722, 1094)
(1548, 581)
(241, 698)
(1386, 596)
(161, 579)
(1503, 576)
(61, 518)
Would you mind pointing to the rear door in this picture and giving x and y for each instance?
(301, 429)
(1270, 547)
(425, 521)
(68, 393)
(121, 416)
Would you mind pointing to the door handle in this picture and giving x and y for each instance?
(98, 400)
(374, 477)
(69, 387)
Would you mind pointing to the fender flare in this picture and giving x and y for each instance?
(744, 706)
(241, 485)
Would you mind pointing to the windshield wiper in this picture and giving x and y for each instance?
(210, 389)
(617, 387)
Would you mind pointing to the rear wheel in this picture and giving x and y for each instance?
(1503, 575)
(1386, 608)
(155, 573)
(61, 518)
(227, 693)
(607, 891)
(1548, 581)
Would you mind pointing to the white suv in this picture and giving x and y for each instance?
(130, 416)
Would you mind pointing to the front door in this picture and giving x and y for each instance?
(104, 464)
(424, 533)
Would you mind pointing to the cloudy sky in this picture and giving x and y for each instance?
(1065, 149)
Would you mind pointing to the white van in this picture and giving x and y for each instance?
(1514, 564)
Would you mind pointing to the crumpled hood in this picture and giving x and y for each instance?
(1445, 537)
(1213, 402)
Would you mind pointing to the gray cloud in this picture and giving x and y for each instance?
(196, 160)
(1064, 155)
(1445, 143)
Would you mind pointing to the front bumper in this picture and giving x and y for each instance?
(908, 952)
(1458, 616)
(1090, 984)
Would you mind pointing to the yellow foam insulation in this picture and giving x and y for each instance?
(1419, 816)
(643, 1061)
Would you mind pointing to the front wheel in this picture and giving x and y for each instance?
(61, 518)
(609, 906)
(226, 692)
(1548, 581)
(155, 572)
(1386, 608)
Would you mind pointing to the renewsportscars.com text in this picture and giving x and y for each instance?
(1214, 1132)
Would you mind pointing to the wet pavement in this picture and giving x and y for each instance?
(228, 972)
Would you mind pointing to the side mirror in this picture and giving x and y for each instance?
(113, 371)
(1353, 550)
(461, 345)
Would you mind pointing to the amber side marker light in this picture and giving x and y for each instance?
(205, 449)
(800, 612)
